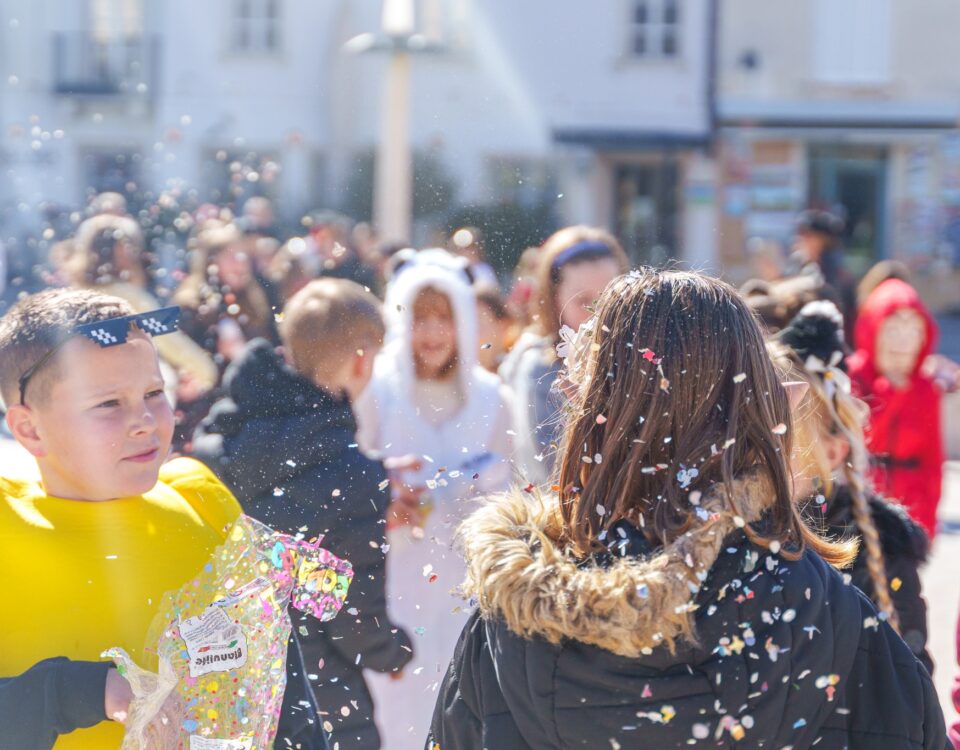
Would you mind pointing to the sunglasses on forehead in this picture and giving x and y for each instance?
(110, 332)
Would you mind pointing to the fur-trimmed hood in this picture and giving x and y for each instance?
(561, 652)
(517, 572)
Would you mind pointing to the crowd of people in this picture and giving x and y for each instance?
(617, 499)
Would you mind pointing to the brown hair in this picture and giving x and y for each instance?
(878, 273)
(39, 322)
(550, 272)
(199, 289)
(326, 321)
(94, 259)
(820, 413)
(673, 377)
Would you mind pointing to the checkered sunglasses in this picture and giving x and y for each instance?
(110, 332)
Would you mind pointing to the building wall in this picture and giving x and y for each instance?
(851, 77)
(900, 45)
(510, 76)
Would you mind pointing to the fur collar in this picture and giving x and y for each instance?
(517, 572)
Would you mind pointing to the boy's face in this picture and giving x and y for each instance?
(105, 427)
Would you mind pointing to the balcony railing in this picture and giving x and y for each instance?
(122, 66)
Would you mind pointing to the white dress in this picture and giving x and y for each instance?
(459, 430)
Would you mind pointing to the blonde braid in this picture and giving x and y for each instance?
(871, 540)
(853, 470)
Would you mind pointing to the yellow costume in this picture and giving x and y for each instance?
(80, 577)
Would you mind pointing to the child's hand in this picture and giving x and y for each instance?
(116, 697)
(943, 371)
(403, 513)
(162, 730)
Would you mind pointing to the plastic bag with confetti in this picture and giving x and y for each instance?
(221, 641)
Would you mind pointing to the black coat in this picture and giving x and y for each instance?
(54, 697)
(905, 547)
(287, 449)
(787, 655)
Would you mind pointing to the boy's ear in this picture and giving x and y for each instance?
(23, 426)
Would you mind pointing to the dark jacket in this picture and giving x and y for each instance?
(287, 450)
(53, 697)
(905, 547)
(567, 653)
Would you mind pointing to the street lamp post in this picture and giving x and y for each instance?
(393, 178)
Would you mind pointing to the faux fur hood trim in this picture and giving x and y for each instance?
(517, 572)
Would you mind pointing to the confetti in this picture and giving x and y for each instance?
(686, 476)
(740, 378)
(780, 429)
(601, 419)
(895, 584)
(232, 619)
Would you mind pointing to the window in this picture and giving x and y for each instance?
(256, 26)
(655, 29)
(852, 41)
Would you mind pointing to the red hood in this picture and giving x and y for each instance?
(886, 299)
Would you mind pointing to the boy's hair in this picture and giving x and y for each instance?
(39, 322)
(327, 321)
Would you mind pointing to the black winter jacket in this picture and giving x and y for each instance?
(905, 546)
(786, 654)
(287, 449)
(53, 697)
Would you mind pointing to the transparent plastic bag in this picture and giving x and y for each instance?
(221, 642)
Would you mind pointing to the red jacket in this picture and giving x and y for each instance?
(904, 434)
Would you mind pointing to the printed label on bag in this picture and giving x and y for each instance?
(203, 743)
(214, 642)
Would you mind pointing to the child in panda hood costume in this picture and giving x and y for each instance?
(430, 400)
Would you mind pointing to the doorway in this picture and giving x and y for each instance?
(646, 210)
(853, 178)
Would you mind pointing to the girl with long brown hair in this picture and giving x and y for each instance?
(575, 264)
(667, 592)
(831, 462)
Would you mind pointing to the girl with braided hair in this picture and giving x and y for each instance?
(831, 459)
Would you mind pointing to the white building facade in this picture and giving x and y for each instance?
(602, 108)
(845, 104)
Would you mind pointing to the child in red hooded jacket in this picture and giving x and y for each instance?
(894, 335)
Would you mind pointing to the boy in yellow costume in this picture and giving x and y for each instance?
(89, 548)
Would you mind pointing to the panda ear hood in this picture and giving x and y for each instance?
(817, 332)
